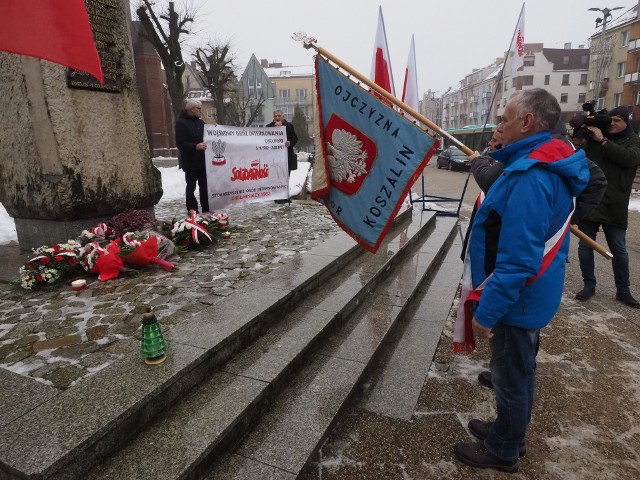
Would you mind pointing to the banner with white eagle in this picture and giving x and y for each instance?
(370, 156)
(245, 165)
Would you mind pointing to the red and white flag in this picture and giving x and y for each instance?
(54, 30)
(516, 50)
(410, 87)
(381, 63)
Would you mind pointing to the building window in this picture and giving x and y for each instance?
(565, 59)
(301, 92)
(584, 59)
(583, 79)
(565, 79)
(624, 38)
(286, 93)
(529, 60)
(582, 97)
(211, 113)
(637, 97)
(546, 79)
(527, 80)
(513, 82)
(505, 85)
(564, 97)
(617, 100)
(622, 66)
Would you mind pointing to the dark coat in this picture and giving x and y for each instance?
(618, 158)
(190, 132)
(293, 139)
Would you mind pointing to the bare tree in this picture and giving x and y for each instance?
(216, 63)
(242, 110)
(165, 37)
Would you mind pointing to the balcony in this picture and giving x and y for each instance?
(634, 46)
(632, 78)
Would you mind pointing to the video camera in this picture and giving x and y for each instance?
(592, 118)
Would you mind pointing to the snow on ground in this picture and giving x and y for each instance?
(173, 186)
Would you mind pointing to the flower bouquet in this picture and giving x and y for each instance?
(101, 233)
(50, 264)
(105, 261)
(132, 221)
(192, 232)
(141, 250)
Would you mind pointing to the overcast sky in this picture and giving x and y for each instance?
(452, 36)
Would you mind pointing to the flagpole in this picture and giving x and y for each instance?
(309, 43)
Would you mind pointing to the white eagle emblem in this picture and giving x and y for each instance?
(346, 158)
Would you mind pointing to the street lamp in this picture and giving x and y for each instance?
(603, 59)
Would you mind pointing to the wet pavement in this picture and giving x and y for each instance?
(58, 336)
(586, 418)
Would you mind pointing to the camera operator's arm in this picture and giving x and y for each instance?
(624, 152)
(595, 135)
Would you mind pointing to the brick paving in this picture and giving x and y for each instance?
(58, 336)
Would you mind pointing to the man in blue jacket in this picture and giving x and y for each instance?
(518, 248)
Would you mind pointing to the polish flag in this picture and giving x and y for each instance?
(54, 30)
(381, 63)
(410, 87)
(516, 50)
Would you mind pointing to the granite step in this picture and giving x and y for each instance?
(289, 433)
(67, 432)
(187, 437)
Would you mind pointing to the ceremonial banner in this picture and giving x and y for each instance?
(372, 155)
(54, 30)
(245, 165)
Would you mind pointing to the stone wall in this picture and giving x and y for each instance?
(72, 155)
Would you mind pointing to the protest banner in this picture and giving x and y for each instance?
(245, 165)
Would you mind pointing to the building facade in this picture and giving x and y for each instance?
(561, 71)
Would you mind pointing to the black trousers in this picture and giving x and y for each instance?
(200, 177)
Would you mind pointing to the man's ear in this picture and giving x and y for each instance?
(527, 123)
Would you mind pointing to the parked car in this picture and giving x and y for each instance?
(453, 158)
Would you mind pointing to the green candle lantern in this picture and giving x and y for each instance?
(153, 345)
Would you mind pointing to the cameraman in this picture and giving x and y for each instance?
(617, 152)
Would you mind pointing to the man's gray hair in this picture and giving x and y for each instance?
(192, 103)
(278, 111)
(544, 106)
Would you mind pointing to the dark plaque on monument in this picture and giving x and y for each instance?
(106, 18)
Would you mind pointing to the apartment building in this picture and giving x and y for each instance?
(561, 71)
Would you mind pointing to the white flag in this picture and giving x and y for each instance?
(516, 50)
(410, 88)
(381, 63)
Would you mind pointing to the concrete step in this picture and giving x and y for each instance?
(286, 437)
(264, 365)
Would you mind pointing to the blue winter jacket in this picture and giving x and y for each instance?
(527, 205)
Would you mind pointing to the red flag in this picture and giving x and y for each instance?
(381, 63)
(410, 88)
(54, 30)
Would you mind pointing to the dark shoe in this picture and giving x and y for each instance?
(282, 200)
(585, 294)
(475, 455)
(628, 299)
(480, 430)
(485, 379)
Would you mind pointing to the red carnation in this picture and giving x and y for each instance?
(39, 278)
(58, 258)
(45, 260)
(56, 248)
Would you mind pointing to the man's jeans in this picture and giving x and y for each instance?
(617, 244)
(513, 372)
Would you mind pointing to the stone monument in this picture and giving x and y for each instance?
(74, 152)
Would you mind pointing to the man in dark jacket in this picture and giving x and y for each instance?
(189, 139)
(292, 139)
(617, 152)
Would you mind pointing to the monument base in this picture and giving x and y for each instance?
(33, 232)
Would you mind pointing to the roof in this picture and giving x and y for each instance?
(557, 55)
(290, 71)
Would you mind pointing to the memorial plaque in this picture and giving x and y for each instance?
(105, 17)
